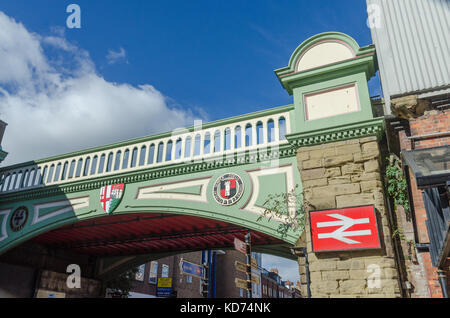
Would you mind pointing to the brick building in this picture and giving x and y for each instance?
(184, 286)
(415, 77)
(428, 132)
(274, 287)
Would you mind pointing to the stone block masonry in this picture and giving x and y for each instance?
(338, 175)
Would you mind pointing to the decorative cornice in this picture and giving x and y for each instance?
(308, 43)
(363, 61)
(360, 64)
(373, 127)
(213, 163)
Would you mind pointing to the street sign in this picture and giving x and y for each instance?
(164, 282)
(254, 263)
(255, 279)
(240, 246)
(344, 229)
(163, 291)
(240, 283)
(245, 248)
(192, 269)
(242, 267)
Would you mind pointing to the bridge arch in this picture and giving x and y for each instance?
(187, 194)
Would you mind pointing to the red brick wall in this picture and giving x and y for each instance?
(431, 123)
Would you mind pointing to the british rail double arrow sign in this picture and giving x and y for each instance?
(344, 229)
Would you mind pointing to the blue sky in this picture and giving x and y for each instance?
(140, 67)
(215, 56)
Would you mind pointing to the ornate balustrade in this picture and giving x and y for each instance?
(264, 129)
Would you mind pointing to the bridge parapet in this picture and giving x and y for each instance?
(220, 139)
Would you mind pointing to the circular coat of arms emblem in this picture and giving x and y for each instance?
(228, 189)
(18, 219)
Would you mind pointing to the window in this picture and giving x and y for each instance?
(117, 162)
(248, 135)
(169, 150)
(142, 156)
(227, 139)
(79, 167)
(134, 157)
(207, 144)
(140, 273)
(72, 168)
(165, 270)
(63, 176)
(101, 165)
(126, 157)
(237, 137)
(49, 177)
(178, 149)
(241, 292)
(187, 149)
(282, 128)
(153, 277)
(189, 279)
(151, 154)
(259, 133)
(86, 166)
(270, 131)
(197, 145)
(159, 157)
(33, 176)
(110, 161)
(57, 172)
(94, 165)
(217, 141)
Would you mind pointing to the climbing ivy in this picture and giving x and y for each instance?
(278, 205)
(397, 187)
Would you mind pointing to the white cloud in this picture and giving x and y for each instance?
(57, 102)
(113, 57)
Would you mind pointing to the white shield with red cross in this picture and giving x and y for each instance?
(110, 196)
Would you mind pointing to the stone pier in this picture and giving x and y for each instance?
(339, 175)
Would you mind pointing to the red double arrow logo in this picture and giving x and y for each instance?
(344, 229)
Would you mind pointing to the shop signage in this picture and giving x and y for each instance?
(192, 269)
(164, 282)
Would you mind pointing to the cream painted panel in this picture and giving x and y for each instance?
(323, 54)
(66, 206)
(3, 232)
(154, 192)
(331, 103)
